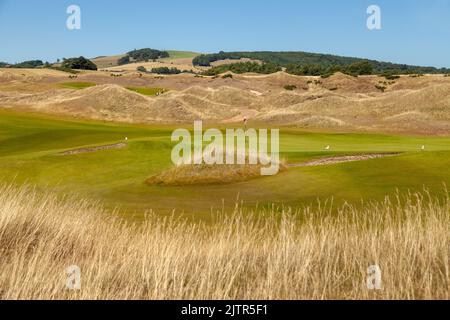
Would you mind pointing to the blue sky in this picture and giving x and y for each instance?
(413, 31)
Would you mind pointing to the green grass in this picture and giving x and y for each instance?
(142, 90)
(29, 145)
(174, 54)
(78, 85)
(147, 91)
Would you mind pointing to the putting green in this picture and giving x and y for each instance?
(29, 145)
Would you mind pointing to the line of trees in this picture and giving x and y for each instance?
(124, 60)
(30, 64)
(295, 60)
(145, 54)
(243, 67)
(354, 69)
(205, 60)
(166, 70)
(162, 70)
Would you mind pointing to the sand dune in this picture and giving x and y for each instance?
(419, 105)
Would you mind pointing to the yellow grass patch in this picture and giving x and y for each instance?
(207, 174)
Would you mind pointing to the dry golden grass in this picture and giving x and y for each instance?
(156, 64)
(208, 174)
(265, 254)
(340, 102)
(107, 61)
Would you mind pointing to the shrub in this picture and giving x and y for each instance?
(244, 67)
(141, 69)
(290, 87)
(205, 60)
(325, 71)
(326, 75)
(166, 70)
(228, 75)
(390, 76)
(147, 54)
(359, 68)
(380, 87)
(123, 60)
(29, 64)
(79, 63)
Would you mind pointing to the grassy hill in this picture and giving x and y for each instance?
(174, 54)
(107, 61)
(112, 61)
(305, 58)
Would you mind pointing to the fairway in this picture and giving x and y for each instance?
(77, 85)
(147, 91)
(30, 146)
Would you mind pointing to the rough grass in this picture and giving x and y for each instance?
(262, 254)
(207, 174)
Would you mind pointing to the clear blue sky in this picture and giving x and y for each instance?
(413, 31)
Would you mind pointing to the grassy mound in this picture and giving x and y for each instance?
(207, 174)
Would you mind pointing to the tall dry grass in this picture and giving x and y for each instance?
(265, 254)
(204, 174)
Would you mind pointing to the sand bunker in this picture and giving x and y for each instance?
(93, 149)
(341, 159)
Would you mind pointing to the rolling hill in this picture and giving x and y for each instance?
(175, 57)
(306, 58)
(340, 102)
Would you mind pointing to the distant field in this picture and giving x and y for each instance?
(77, 85)
(107, 61)
(173, 54)
(146, 91)
(182, 58)
(182, 64)
(141, 90)
(30, 144)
